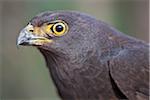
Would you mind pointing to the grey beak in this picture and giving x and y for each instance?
(23, 39)
(28, 38)
(25, 36)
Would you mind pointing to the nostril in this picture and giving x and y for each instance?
(31, 30)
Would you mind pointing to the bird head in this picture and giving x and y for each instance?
(62, 31)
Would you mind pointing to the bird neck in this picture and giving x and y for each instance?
(59, 70)
(57, 64)
(70, 74)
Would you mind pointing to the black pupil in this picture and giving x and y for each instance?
(59, 28)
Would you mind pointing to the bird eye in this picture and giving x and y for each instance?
(59, 28)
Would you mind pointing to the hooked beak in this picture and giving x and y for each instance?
(26, 37)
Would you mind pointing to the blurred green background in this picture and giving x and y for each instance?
(23, 75)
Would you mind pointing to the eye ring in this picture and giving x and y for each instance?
(59, 28)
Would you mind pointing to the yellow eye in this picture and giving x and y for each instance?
(59, 29)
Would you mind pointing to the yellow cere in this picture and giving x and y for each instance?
(38, 31)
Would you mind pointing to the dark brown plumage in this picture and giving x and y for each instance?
(88, 59)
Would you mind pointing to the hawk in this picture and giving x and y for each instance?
(87, 58)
